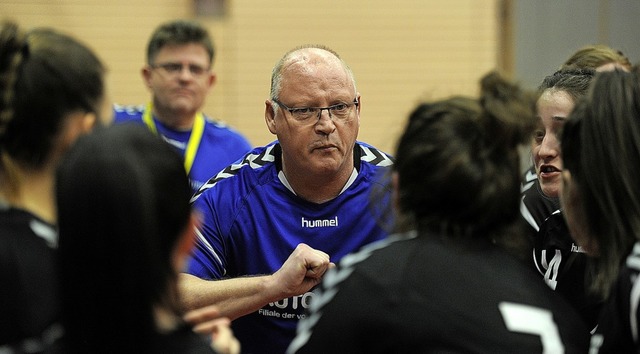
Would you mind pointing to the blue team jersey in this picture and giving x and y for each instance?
(220, 145)
(252, 221)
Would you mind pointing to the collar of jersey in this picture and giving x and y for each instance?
(277, 151)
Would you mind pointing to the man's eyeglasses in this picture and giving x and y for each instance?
(176, 68)
(309, 115)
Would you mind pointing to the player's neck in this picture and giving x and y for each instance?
(175, 120)
(34, 193)
(317, 188)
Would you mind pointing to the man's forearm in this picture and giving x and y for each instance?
(235, 297)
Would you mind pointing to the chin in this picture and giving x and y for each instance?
(551, 192)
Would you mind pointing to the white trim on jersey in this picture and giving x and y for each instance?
(535, 261)
(633, 262)
(526, 214)
(285, 182)
(204, 241)
(634, 297)
(253, 160)
(375, 156)
(45, 232)
(352, 178)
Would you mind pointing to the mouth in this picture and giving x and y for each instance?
(324, 148)
(548, 169)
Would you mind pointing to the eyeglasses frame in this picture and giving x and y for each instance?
(320, 109)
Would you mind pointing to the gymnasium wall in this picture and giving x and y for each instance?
(400, 51)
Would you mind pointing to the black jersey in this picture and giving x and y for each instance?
(564, 267)
(427, 295)
(182, 340)
(28, 282)
(617, 330)
(557, 258)
(536, 207)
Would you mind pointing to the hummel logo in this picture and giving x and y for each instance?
(320, 223)
(576, 248)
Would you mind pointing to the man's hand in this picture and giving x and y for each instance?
(301, 271)
(207, 321)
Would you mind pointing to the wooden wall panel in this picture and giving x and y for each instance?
(400, 51)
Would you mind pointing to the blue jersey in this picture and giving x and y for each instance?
(219, 145)
(252, 221)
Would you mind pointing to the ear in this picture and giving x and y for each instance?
(146, 75)
(270, 116)
(76, 124)
(213, 77)
(359, 98)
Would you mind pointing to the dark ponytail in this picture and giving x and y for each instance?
(45, 75)
(13, 49)
(458, 163)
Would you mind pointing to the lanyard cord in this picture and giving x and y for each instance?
(194, 139)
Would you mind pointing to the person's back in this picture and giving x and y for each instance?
(457, 280)
(427, 294)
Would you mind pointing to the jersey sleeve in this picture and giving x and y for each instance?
(207, 259)
(126, 114)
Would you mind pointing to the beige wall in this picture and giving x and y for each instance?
(400, 51)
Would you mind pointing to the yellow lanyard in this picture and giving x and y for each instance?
(194, 139)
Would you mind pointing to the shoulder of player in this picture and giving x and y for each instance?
(132, 110)
(371, 155)
(218, 124)
(218, 127)
(127, 113)
(381, 249)
(254, 166)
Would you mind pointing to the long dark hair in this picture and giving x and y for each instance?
(123, 200)
(601, 149)
(44, 75)
(458, 163)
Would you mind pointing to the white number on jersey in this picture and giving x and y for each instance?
(551, 269)
(533, 320)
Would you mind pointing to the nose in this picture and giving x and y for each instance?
(185, 72)
(550, 147)
(328, 109)
(325, 126)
